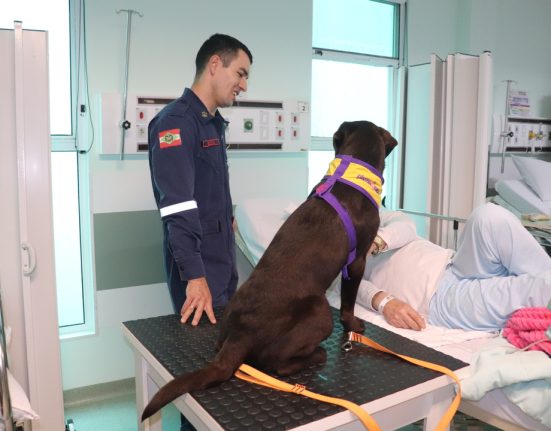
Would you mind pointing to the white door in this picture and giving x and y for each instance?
(28, 271)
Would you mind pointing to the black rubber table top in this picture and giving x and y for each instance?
(360, 375)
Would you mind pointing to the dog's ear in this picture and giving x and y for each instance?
(388, 139)
(338, 137)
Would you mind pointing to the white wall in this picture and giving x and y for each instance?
(432, 27)
(164, 43)
(515, 31)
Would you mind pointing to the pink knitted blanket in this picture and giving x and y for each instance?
(528, 325)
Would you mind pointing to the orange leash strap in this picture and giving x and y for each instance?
(448, 416)
(252, 375)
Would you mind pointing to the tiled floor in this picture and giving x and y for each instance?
(112, 407)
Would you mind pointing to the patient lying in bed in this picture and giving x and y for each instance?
(497, 269)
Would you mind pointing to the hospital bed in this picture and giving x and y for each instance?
(258, 220)
(517, 197)
(525, 192)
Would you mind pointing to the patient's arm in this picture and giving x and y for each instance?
(396, 229)
(398, 313)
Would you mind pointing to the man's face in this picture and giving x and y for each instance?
(231, 80)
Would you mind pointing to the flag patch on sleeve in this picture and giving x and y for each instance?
(170, 138)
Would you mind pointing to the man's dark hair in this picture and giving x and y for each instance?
(225, 46)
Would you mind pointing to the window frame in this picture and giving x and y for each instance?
(319, 143)
(70, 143)
(393, 163)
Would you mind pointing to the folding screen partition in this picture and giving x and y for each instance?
(447, 138)
(27, 253)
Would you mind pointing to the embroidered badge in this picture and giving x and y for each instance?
(207, 143)
(170, 138)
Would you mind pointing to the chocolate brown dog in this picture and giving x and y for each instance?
(278, 318)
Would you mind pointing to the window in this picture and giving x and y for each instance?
(52, 16)
(69, 179)
(355, 54)
(367, 27)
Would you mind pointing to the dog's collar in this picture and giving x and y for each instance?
(359, 175)
(356, 173)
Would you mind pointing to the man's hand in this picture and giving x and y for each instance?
(198, 299)
(402, 315)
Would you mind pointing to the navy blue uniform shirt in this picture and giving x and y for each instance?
(189, 173)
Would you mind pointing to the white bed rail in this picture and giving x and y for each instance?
(455, 220)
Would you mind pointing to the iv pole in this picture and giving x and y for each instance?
(506, 134)
(125, 124)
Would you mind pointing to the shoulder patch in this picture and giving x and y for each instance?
(170, 138)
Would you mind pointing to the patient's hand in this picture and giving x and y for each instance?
(402, 315)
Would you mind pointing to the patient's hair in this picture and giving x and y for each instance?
(227, 47)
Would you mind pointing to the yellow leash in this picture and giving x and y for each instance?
(448, 416)
(252, 375)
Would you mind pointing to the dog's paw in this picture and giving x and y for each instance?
(354, 324)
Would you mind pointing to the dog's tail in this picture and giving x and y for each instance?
(226, 362)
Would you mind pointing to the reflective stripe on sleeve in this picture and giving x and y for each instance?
(176, 208)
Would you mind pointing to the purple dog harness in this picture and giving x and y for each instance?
(364, 178)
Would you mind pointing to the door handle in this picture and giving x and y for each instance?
(28, 259)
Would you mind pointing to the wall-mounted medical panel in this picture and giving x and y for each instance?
(261, 125)
(253, 125)
(521, 134)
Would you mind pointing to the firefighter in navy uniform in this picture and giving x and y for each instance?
(189, 174)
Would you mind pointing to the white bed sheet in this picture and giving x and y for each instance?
(259, 219)
(521, 197)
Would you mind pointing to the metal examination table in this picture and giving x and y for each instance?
(394, 392)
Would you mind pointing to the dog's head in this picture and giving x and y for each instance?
(365, 141)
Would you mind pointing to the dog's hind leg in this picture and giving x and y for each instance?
(299, 348)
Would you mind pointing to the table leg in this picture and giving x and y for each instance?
(145, 389)
(441, 400)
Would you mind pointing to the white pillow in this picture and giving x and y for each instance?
(537, 174)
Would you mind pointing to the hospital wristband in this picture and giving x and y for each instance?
(383, 302)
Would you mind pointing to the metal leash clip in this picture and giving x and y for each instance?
(347, 345)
